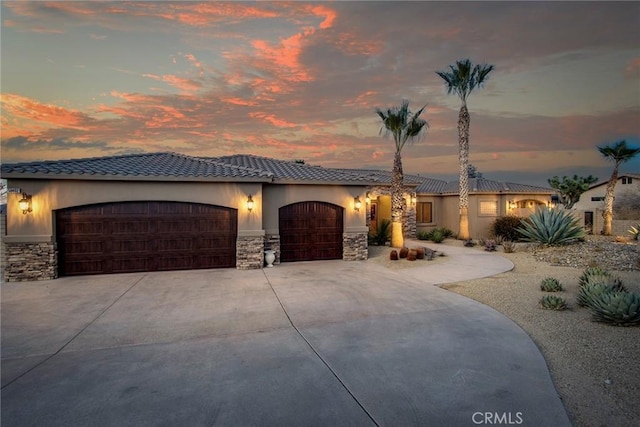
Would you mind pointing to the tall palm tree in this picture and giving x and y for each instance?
(462, 79)
(619, 153)
(405, 127)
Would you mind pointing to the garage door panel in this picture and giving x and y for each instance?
(145, 236)
(310, 231)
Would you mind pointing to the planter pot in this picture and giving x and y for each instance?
(269, 257)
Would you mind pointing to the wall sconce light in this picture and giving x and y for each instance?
(25, 203)
(250, 203)
(357, 204)
(367, 199)
(512, 204)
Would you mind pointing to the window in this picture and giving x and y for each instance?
(597, 199)
(424, 212)
(627, 180)
(489, 207)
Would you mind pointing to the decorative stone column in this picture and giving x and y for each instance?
(250, 252)
(355, 246)
(30, 261)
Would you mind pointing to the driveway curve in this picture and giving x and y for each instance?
(309, 343)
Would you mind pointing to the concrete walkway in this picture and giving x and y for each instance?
(312, 343)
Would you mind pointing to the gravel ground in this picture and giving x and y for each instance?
(593, 365)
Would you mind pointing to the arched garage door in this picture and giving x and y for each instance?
(145, 236)
(310, 231)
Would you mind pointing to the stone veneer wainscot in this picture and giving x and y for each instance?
(30, 261)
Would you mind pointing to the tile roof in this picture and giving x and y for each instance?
(289, 171)
(481, 185)
(136, 166)
(383, 176)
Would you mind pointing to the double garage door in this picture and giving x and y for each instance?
(145, 236)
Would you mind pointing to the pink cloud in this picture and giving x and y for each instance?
(270, 118)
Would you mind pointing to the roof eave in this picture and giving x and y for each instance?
(139, 178)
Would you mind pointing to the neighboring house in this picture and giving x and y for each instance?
(167, 211)
(591, 203)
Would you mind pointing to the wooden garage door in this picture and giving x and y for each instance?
(310, 231)
(145, 236)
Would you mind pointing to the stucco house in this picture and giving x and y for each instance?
(168, 211)
(591, 204)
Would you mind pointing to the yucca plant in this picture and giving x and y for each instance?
(553, 302)
(551, 227)
(551, 284)
(617, 308)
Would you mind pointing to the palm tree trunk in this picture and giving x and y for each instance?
(397, 202)
(463, 159)
(608, 201)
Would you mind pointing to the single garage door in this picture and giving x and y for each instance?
(310, 231)
(145, 236)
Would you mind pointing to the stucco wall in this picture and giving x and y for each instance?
(277, 196)
(446, 211)
(51, 195)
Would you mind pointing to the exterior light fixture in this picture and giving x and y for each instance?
(367, 198)
(512, 204)
(357, 204)
(25, 203)
(250, 203)
(414, 199)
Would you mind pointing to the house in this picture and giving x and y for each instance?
(432, 203)
(591, 203)
(168, 211)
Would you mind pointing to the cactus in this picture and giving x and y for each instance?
(551, 284)
(553, 302)
(617, 308)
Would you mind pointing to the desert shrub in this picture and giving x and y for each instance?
(382, 233)
(498, 239)
(490, 245)
(553, 302)
(506, 227)
(617, 308)
(551, 227)
(447, 233)
(482, 241)
(424, 235)
(551, 284)
(508, 246)
(469, 243)
(437, 236)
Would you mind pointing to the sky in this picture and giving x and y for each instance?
(302, 80)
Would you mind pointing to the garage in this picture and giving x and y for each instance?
(141, 236)
(310, 231)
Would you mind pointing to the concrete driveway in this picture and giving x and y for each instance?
(314, 343)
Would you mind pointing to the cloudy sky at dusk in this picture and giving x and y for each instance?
(301, 80)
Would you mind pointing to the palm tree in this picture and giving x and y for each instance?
(405, 127)
(463, 78)
(619, 153)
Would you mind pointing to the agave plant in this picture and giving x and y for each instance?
(551, 284)
(617, 308)
(635, 231)
(553, 302)
(589, 292)
(591, 271)
(551, 227)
